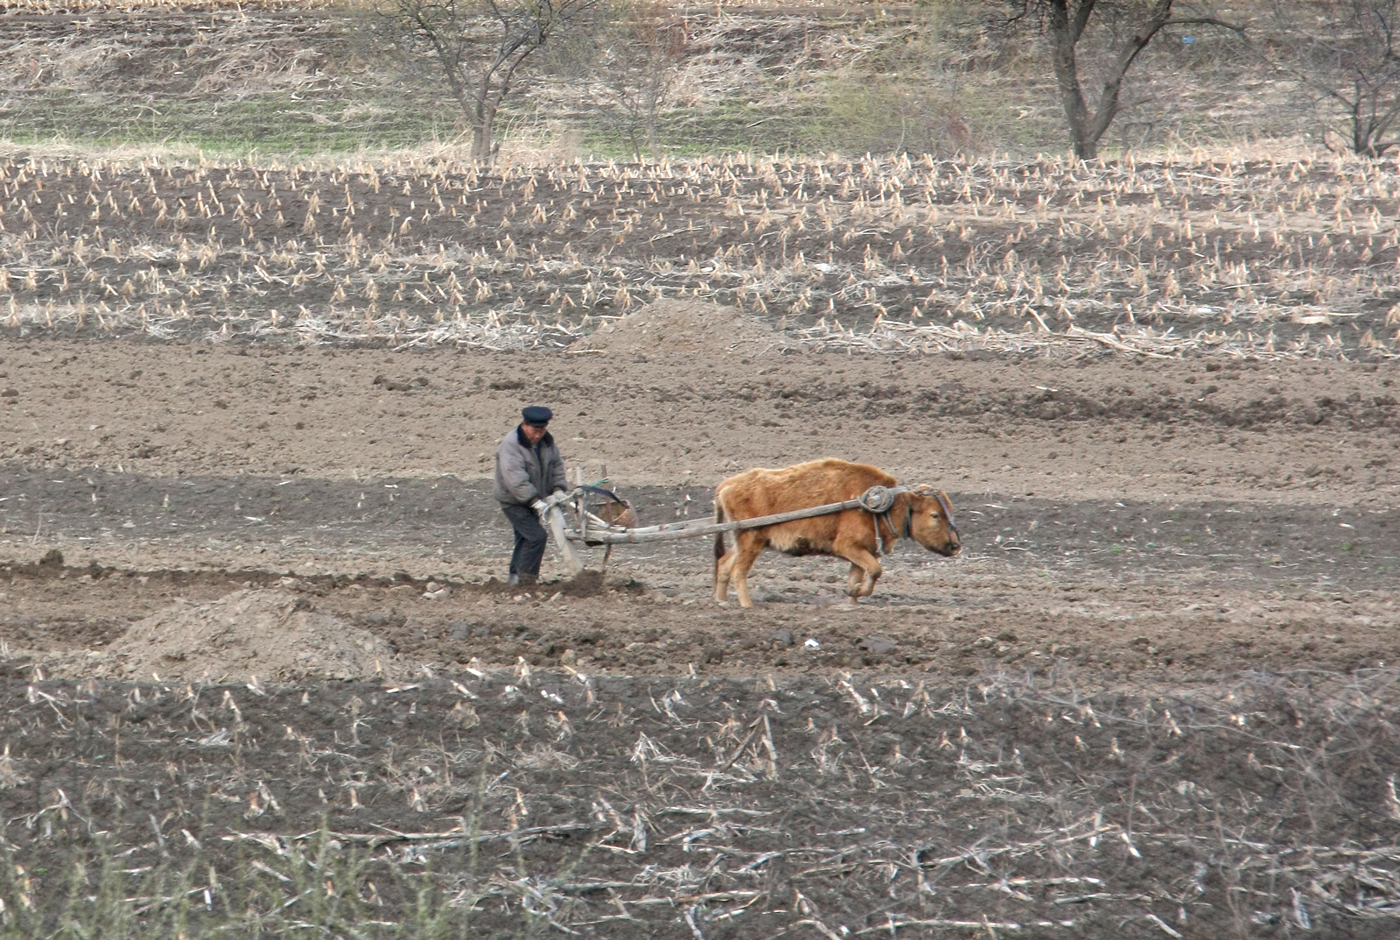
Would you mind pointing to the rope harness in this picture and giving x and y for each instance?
(878, 501)
(947, 513)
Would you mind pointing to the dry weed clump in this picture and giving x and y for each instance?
(644, 807)
(1204, 255)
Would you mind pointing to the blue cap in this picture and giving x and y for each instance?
(536, 414)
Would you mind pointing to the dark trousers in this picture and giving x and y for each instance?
(529, 539)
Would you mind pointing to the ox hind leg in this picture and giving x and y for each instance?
(724, 558)
(865, 571)
(736, 564)
(724, 565)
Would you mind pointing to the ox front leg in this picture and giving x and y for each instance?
(865, 571)
(854, 581)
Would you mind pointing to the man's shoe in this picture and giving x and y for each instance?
(514, 579)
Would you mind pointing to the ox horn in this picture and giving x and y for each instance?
(921, 489)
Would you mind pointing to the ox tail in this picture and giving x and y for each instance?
(719, 538)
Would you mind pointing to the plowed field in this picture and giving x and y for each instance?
(262, 674)
(1155, 691)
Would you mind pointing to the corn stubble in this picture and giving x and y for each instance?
(521, 803)
(1209, 253)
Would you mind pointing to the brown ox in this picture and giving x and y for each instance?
(925, 517)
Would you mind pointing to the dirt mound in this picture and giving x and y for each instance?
(683, 329)
(273, 635)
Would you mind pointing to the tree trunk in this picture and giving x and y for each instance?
(1086, 146)
(1066, 27)
(1067, 22)
(481, 144)
(483, 120)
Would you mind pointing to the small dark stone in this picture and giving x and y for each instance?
(783, 638)
(481, 632)
(461, 629)
(377, 620)
(54, 559)
(713, 654)
(877, 644)
(392, 385)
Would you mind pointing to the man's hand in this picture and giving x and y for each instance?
(559, 496)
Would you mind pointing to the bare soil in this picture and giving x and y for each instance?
(1141, 538)
(239, 637)
(1098, 428)
(1184, 518)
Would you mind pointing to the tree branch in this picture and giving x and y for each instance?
(1207, 21)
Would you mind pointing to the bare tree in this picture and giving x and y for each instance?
(1117, 30)
(629, 62)
(481, 48)
(639, 67)
(1345, 54)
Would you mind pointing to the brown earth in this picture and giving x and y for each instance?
(680, 330)
(1156, 688)
(1099, 428)
(240, 637)
(1169, 516)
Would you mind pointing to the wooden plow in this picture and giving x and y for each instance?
(591, 529)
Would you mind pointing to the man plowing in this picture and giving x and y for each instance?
(529, 468)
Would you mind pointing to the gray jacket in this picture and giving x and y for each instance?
(524, 473)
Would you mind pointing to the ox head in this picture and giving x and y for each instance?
(931, 522)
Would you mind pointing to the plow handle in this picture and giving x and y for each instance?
(554, 518)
